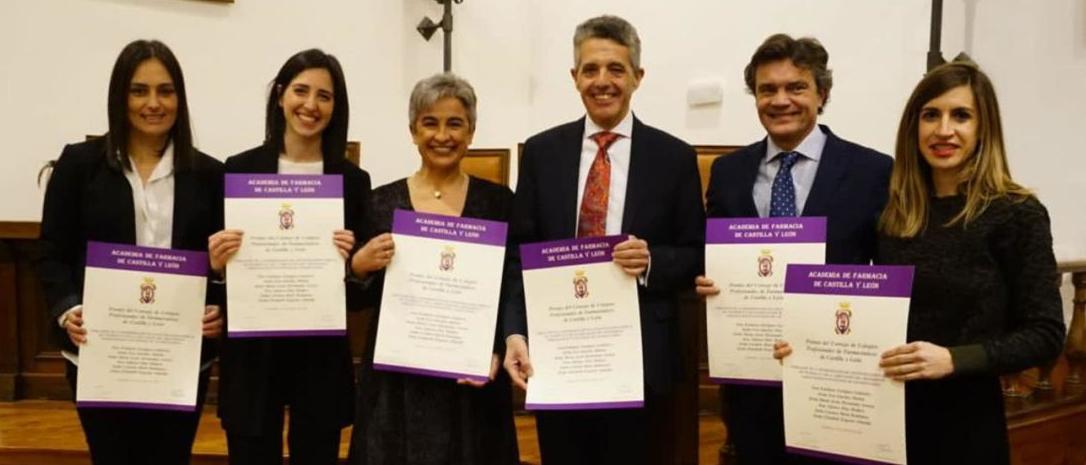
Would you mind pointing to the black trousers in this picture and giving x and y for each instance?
(755, 420)
(311, 440)
(121, 436)
(605, 437)
(308, 445)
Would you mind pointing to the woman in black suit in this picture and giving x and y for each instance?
(306, 133)
(143, 183)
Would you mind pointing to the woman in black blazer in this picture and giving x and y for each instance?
(306, 133)
(143, 183)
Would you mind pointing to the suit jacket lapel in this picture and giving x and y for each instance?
(831, 167)
(122, 191)
(640, 169)
(267, 162)
(753, 161)
(567, 163)
(183, 197)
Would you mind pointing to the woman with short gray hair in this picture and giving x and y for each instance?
(407, 419)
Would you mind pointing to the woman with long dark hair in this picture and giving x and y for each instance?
(306, 133)
(143, 183)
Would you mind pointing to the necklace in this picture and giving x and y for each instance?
(437, 193)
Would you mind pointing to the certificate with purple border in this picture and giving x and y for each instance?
(584, 327)
(439, 308)
(142, 308)
(287, 278)
(746, 258)
(839, 319)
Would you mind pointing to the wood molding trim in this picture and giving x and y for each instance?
(19, 229)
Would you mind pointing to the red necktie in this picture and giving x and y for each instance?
(593, 221)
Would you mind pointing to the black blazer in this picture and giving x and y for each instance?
(88, 200)
(663, 207)
(850, 189)
(320, 367)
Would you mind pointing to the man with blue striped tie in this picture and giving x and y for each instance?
(800, 169)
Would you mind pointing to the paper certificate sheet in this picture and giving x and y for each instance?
(287, 278)
(747, 259)
(584, 327)
(143, 310)
(439, 308)
(839, 319)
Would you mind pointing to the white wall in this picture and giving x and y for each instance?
(58, 53)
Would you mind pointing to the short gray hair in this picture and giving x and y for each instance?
(611, 28)
(428, 91)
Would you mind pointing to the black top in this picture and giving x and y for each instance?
(417, 420)
(89, 200)
(988, 292)
(313, 375)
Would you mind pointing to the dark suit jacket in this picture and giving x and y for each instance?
(312, 374)
(663, 207)
(850, 189)
(87, 200)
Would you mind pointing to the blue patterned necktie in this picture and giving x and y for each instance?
(783, 197)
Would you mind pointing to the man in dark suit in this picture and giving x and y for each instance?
(602, 175)
(800, 169)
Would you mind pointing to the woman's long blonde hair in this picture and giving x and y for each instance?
(984, 177)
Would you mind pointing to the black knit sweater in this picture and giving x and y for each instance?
(989, 290)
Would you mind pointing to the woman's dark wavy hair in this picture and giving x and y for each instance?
(334, 137)
(133, 55)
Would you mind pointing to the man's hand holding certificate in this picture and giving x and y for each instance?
(747, 258)
(584, 326)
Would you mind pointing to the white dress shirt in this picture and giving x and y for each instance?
(153, 202)
(803, 172)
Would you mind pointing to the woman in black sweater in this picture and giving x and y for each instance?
(985, 298)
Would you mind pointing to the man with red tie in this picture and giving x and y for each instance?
(607, 174)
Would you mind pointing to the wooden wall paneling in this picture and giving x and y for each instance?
(41, 365)
(9, 323)
(354, 152)
(707, 154)
(489, 164)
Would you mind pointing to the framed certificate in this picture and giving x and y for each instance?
(747, 259)
(584, 327)
(439, 308)
(287, 277)
(143, 310)
(839, 320)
